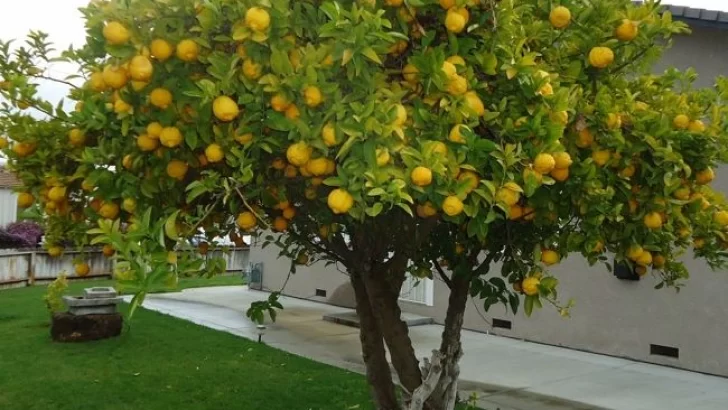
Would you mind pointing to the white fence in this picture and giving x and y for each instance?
(24, 268)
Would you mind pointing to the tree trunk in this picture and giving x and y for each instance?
(441, 373)
(373, 352)
(384, 297)
(445, 395)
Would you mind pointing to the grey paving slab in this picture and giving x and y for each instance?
(504, 373)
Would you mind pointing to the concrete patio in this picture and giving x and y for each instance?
(505, 373)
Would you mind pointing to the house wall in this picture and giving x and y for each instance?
(8, 206)
(611, 316)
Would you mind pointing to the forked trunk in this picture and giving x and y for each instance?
(440, 387)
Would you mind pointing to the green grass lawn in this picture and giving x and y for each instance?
(158, 363)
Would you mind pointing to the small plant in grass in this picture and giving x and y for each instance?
(54, 295)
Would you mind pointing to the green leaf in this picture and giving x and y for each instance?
(170, 226)
(333, 181)
(372, 55)
(376, 192)
(528, 305)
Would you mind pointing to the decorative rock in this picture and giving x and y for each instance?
(67, 327)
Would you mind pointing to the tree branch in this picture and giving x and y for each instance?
(442, 274)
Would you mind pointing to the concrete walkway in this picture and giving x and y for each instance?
(506, 374)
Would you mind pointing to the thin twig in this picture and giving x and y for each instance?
(250, 208)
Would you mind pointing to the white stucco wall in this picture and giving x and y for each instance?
(8, 206)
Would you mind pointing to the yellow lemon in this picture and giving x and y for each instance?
(634, 252)
(289, 213)
(141, 68)
(246, 220)
(225, 108)
(383, 156)
(546, 90)
(317, 166)
(160, 98)
(411, 74)
(560, 174)
(109, 210)
(682, 193)
(114, 76)
(292, 112)
(340, 201)
(474, 103)
(129, 205)
(257, 19)
(426, 210)
(644, 259)
(561, 117)
(457, 85)
(312, 96)
(127, 161)
(550, 257)
(455, 135)
(721, 218)
(439, 148)
(76, 137)
(25, 199)
(82, 269)
(251, 69)
(515, 212)
(456, 60)
(628, 171)
(161, 50)
(3, 143)
(452, 206)
(585, 138)
(170, 137)
(108, 250)
(601, 57)
(560, 17)
(328, 134)
(530, 286)
(188, 50)
(121, 107)
(154, 129)
(544, 163)
(653, 220)
(449, 69)
(244, 139)
(472, 179)
(681, 121)
(456, 19)
(177, 169)
(116, 33)
(298, 154)
(421, 176)
(509, 194)
(214, 153)
(696, 126)
(601, 157)
(280, 224)
(614, 121)
(658, 261)
(96, 82)
(147, 143)
(626, 31)
(705, 176)
(562, 160)
(279, 103)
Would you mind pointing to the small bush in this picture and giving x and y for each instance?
(31, 232)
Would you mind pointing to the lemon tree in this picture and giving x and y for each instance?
(481, 141)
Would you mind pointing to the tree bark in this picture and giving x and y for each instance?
(384, 296)
(445, 395)
(373, 352)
